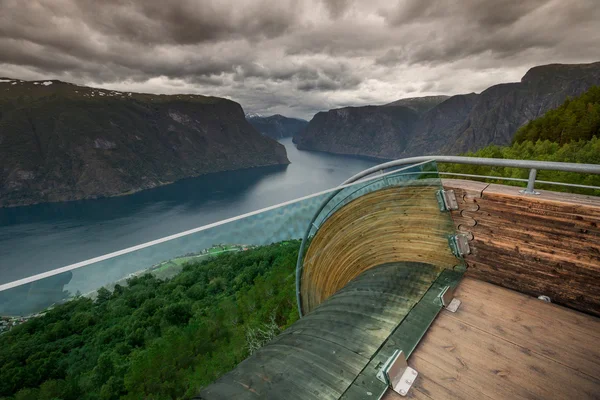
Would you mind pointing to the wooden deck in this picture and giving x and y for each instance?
(502, 344)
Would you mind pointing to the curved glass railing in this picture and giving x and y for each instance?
(165, 257)
(375, 261)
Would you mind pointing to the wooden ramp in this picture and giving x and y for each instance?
(502, 344)
(321, 355)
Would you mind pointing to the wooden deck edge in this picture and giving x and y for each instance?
(547, 244)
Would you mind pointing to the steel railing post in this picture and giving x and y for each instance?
(531, 183)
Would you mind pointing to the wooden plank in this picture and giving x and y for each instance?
(361, 341)
(502, 344)
(520, 279)
(484, 305)
(547, 244)
(432, 383)
(569, 198)
(469, 188)
(499, 368)
(554, 316)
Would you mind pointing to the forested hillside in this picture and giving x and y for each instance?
(569, 133)
(154, 339)
(576, 119)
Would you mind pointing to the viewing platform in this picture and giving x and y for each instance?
(407, 285)
(374, 278)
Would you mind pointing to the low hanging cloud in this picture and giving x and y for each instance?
(294, 57)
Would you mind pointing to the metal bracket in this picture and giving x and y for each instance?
(449, 302)
(545, 298)
(459, 244)
(525, 192)
(397, 374)
(446, 200)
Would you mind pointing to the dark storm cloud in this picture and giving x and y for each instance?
(337, 8)
(294, 56)
(502, 28)
(149, 21)
(489, 14)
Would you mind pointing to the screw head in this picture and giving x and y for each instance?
(408, 381)
(402, 391)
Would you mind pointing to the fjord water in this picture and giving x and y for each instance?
(43, 237)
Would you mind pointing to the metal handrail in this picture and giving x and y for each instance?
(492, 162)
(501, 178)
(532, 165)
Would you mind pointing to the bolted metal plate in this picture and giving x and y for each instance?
(405, 382)
(447, 200)
(529, 193)
(453, 306)
(459, 244)
(397, 374)
(449, 302)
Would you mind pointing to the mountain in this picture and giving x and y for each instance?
(276, 126)
(458, 124)
(419, 104)
(60, 141)
(376, 131)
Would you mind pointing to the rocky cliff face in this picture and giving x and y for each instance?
(277, 126)
(459, 123)
(62, 142)
(502, 109)
(376, 131)
(419, 104)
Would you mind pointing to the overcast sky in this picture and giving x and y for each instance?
(294, 57)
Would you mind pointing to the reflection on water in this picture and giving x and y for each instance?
(35, 296)
(39, 238)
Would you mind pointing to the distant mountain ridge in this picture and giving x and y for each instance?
(419, 104)
(457, 124)
(60, 141)
(276, 126)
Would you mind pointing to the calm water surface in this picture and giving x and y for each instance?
(39, 238)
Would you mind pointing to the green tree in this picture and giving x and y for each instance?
(152, 338)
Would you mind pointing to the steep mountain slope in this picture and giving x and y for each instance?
(419, 104)
(460, 123)
(62, 142)
(277, 126)
(371, 131)
(502, 109)
(432, 130)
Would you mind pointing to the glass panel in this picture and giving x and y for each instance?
(166, 256)
(394, 218)
(377, 259)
